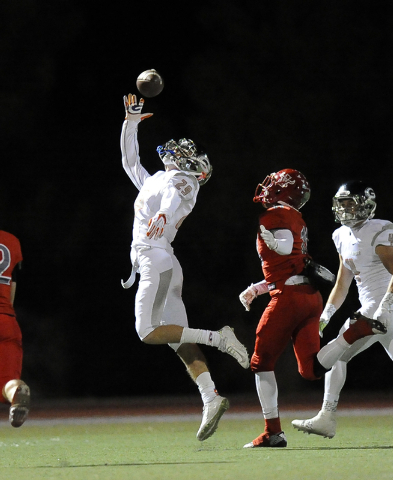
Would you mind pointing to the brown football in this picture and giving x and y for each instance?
(150, 83)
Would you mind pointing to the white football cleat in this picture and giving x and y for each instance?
(212, 412)
(230, 344)
(323, 424)
(20, 406)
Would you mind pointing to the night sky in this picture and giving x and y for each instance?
(260, 86)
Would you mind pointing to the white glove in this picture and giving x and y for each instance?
(384, 312)
(252, 292)
(326, 315)
(156, 226)
(268, 238)
(134, 109)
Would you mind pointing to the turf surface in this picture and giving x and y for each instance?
(362, 449)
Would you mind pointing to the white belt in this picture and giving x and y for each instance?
(297, 280)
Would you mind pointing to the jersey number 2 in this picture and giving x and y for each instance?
(5, 262)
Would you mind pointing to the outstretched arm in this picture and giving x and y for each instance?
(253, 291)
(129, 141)
(337, 295)
(384, 312)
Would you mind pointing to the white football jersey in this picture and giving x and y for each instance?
(172, 193)
(357, 249)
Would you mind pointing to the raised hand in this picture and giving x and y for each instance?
(133, 108)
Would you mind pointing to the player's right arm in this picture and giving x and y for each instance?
(179, 193)
(129, 140)
(12, 292)
(384, 312)
(17, 267)
(337, 295)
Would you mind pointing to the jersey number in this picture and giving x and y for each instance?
(5, 262)
(182, 184)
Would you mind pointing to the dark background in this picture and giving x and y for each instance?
(261, 86)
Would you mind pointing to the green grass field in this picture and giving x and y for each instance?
(362, 449)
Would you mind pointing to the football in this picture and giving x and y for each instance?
(150, 83)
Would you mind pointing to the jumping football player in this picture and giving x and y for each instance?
(295, 306)
(14, 390)
(365, 250)
(164, 201)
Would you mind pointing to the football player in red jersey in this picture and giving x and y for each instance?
(295, 306)
(14, 390)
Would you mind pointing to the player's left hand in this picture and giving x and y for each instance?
(384, 312)
(383, 316)
(247, 296)
(156, 226)
(323, 322)
(133, 108)
(268, 238)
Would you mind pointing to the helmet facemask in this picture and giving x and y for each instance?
(183, 154)
(351, 208)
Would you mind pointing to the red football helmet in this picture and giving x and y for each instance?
(287, 186)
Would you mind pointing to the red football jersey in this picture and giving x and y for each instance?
(277, 267)
(10, 256)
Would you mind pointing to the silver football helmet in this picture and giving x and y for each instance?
(185, 156)
(353, 203)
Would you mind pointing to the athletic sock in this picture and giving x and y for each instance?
(329, 407)
(206, 387)
(273, 425)
(204, 337)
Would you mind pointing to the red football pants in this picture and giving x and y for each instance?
(293, 314)
(11, 353)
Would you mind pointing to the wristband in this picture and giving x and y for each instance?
(328, 311)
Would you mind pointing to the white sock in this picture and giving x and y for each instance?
(204, 337)
(206, 387)
(268, 393)
(329, 406)
(334, 382)
(333, 351)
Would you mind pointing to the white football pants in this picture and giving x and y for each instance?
(335, 378)
(158, 300)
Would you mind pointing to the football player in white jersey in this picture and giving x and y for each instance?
(165, 199)
(365, 249)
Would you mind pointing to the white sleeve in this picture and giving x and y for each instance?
(130, 154)
(383, 237)
(284, 238)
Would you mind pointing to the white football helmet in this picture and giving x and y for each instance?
(353, 203)
(184, 155)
